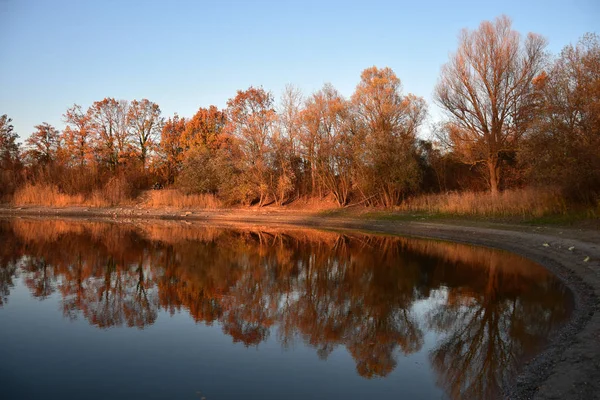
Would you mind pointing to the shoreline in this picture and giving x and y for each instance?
(568, 368)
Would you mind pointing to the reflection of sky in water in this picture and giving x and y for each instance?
(364, 298)
(176, 356)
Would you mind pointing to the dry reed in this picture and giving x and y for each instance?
(51, 196)
(523, 202)
(174, 198)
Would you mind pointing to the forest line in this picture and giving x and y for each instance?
(515, 117)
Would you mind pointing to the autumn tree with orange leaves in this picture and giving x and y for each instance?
(43, 145)
(76, 136)
(563, 146)
(204, 146)
(251, 117)
(171, 147)
(387, 129)
(204, 129)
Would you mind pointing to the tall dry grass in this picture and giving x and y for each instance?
(51, 196)
(111, 195)
(176, 199)
(524, 202)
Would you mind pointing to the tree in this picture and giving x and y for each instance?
(251, 116)
(289, 117)
(76, 136)
(562, 148)
(199, 173)
(286, 159)
(388, 123)
(145, 124)
(327, 143)
(204, 129)
(43, 144)
(202, 141)
(9, 147)
(108, 122)
(283, 175)
(10, 164)
(171, 147)
(486, 90)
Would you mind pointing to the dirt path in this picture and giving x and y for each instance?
(568, 369)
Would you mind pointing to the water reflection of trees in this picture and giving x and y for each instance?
(490, 322)
(491, 309)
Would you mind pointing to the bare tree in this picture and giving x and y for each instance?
(108, 124)
(145, 124)
(486, 89)
(290, 123)
(327, 143)
(285, 157)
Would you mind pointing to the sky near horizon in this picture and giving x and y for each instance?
(189, 54)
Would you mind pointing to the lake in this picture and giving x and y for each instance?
(171, 309)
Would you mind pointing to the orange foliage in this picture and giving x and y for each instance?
(204, 129)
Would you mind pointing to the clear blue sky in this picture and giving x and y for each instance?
(187, 54)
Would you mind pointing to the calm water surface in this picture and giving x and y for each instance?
(172, 310)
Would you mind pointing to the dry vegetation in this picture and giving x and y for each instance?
(174, 198)
(51, 196)
(524, 202)
(116, 192)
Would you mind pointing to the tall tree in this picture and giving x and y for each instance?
(327, 142)
(251, 117)
(290, 121)
(486, 90)
(145, 124)
(563, 146)
(43, 144)
(202, 142)
(204, 129)
(388, 123)
(171, 148)
(9, 147)
(76, 136)
(10, 164)
(286, 159)
(108, 122)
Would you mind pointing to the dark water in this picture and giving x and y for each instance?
(170, 310)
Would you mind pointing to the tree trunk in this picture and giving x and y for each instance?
(494, 175)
